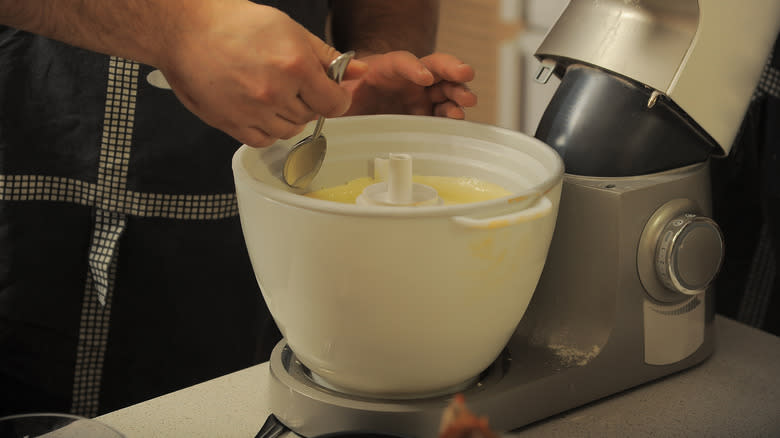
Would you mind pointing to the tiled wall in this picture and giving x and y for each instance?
(498, 38)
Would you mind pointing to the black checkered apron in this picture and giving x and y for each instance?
(95, 214)
(123, 270)
(746, 203)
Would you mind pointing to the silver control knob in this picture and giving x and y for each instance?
(680, 252)
(689, 254)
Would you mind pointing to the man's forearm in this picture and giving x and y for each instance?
(378, 26)
(134, 29)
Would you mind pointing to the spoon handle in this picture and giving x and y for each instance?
(318, 127)
(337, 68)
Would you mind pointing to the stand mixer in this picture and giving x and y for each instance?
(650, 90)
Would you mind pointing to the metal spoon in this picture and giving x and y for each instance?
(305, 158)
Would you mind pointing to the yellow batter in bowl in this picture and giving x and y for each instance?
(451, 190)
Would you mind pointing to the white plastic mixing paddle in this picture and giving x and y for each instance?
(396, 187)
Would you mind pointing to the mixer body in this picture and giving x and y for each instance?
(592, 314)
(591, 329)
(651, 91)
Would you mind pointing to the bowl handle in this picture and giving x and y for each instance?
(539, 209)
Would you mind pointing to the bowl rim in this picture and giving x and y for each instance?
(515, 202)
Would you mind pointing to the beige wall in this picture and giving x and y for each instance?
(472, 31)
(498, 38)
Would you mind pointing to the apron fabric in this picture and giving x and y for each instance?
(123, 270)
(746, 204)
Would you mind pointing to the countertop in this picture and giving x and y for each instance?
(736, 392)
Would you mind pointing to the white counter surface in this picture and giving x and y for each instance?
(735, 393)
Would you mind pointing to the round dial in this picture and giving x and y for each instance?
(689, 254)
(680, 252)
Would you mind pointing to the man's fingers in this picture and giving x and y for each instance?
(297, 111)
(428, 70)
(323, 95)
(279, 127)
(253, 136)
(266, 131)
(458, 93)
(355, 69)
(448, 68)
(449, 109)
(287, 116)
(409, 67)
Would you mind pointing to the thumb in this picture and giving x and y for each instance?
(327, 54)
(324, 52)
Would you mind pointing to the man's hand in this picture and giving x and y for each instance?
(400, 83)
(389, 37)
(254, 73)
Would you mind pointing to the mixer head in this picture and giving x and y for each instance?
(652, 84)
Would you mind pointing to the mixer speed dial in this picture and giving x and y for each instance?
(689, 253)
(680, 252)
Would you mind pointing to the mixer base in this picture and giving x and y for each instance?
(511, 393)
(316, 407)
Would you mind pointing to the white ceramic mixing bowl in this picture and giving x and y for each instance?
(400, 301)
